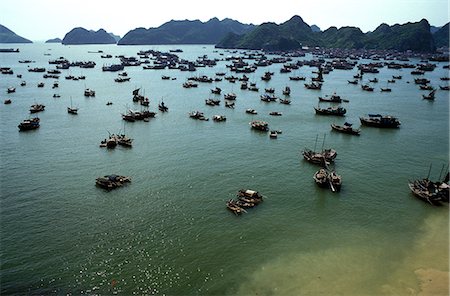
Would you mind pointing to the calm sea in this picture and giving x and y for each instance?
(169, 232)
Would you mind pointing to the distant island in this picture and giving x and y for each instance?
(54, 40)
(185, 32)
(295, 33)
(8, 36)
(290, 35)
(82, 36)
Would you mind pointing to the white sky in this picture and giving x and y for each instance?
(45, 19)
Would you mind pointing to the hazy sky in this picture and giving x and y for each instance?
(45, 19)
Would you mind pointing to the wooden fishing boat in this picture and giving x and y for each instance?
(162, 107)
(346, 128)
(321, 178)
(322, 158)
(29, 124)
(233, 207)
(430, 96)
(431, 192)
(112, 181)
(337, 111)
(378, 120)
(260, 125)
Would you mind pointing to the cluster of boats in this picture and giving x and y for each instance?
(246, 199)
(112, 181)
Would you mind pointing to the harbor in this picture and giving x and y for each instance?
(169, 231)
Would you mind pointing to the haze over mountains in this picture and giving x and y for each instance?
(292, 34)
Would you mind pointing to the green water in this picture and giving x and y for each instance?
(168, 232)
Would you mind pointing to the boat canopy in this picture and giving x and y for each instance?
(250, 192)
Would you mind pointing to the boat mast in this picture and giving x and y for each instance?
(323, 143)
(315, 144)
(429, 171)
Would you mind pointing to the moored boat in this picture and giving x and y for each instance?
(378, 120)
(260, 125)
(346, 128)
(323, 158)
(321, 178)
(429, 191)
(37, 108)
(112, 181)
(338, 111)
(29, 124)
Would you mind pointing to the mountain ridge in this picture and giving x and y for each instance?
(185, 32)
(80, 35)
(8, 36)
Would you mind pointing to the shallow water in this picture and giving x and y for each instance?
(168, 232)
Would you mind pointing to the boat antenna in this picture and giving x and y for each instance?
(315, 144)
(429, 171)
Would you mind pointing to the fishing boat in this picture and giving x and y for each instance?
(346, 128)
(216, 90)
(313, 85)
(29, 124)
(37, 108)
(323, 158)
(162, 107)
(321, 178)
(445, 87)
(71, 109)
(229, 105)
(212, 102)
(337, 111)
(124, 141)
(378, 120)
(366, 87)
(198, 115)
(122, 79)
(89, 92)
(268, 98)
(112, 181)
(11, 90)
(285, 101)
(432, 192)
(7, 101)
(286, 91)
(335, 181)
(425, 87)
(273, 134)
(219, 118)
(248, 193)
(297, 78)
(251, 111)
(386, 89)
(269, 90)
(233, 207)
(275, 113)
(260, 125)
(334, 98)
(230, 96)
(430, 96)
